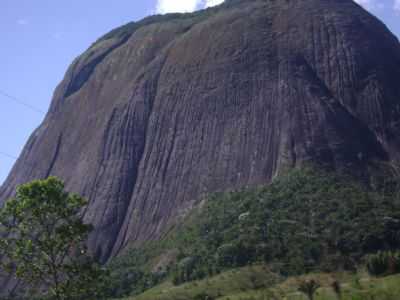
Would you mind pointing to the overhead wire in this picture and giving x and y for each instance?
(26, 105)
(8, 155)
(20, 102)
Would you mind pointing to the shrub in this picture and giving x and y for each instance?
(226, 255)
(309, 287)
(203, 296)
(383, 263)
(336, 287)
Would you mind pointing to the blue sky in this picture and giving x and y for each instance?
(40, 38)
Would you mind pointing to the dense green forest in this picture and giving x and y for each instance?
(304, 221)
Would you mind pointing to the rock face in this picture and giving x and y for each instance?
(159, 113)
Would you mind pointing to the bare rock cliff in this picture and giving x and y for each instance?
(159, 113)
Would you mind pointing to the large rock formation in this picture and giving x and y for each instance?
(157, 114)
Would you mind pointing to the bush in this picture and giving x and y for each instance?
(226, 255)
(383, 263)
(309, 287)
(337, 288)
(203, 296)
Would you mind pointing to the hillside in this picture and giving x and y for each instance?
(240, 285)
(304, 221)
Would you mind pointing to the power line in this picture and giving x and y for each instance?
(27, 105)
(15, 158)
(8, 155)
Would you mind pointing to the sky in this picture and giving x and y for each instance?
(40, 38)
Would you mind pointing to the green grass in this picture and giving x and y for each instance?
(353, 288)
(257, 283)
(233, 281)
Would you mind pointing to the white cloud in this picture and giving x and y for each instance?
(169, 6)
(215, 2)
(22, 22)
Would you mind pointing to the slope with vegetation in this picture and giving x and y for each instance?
(254, 283)
(305, 221)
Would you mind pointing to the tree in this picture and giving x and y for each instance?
(309, 287)
(44, 243)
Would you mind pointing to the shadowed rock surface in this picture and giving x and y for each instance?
(159, 113)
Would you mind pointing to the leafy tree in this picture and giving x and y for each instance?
(43, 243)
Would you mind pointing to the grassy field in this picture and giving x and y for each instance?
(231, 282)
(257, 283)
(353, 288)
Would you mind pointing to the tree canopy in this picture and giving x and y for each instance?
(44, 243)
